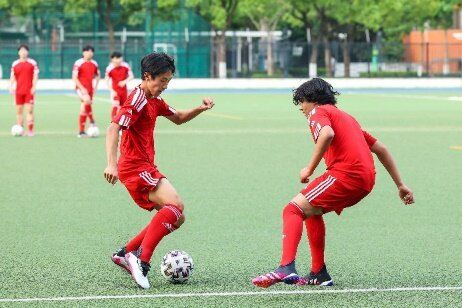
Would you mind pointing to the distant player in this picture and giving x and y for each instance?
(85, 75)
(118, 74)
(23, 82)
(136, 168)
(350, 176)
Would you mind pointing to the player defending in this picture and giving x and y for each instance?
(118, 74)
(84, 72)
(23, 81)
(136, 168)
(350, 177)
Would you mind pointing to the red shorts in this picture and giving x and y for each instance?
(139, 182)
(118, 98)
(332, 194)
(22, 99)
(81, 95)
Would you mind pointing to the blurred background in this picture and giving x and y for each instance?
(242, 38)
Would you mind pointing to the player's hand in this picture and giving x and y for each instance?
(12, 89)
(207, 103)
(83, 91)
(406, 195)
(122, 83)
(110, 174)
(32, 91)
(305, 174)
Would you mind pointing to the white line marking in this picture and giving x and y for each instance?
(227, 294)
(189, 131)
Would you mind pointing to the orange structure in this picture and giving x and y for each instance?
(438, 51)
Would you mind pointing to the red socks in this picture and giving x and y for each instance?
(160, 225)
(292, 229)
(89, 112)
(316, 232)
(30, 126)
(82, 120)
(135, 243)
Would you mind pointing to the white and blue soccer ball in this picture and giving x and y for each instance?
(93, 131)
(177, 266)
(17, 130)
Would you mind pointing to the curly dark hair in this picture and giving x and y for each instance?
(317, 91)
(157, 63)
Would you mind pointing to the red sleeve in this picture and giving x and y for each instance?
(318, 119)
(131, 110)
(165, 109)
(371, 140)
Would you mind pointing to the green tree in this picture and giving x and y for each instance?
(265, 15)
(220, 14)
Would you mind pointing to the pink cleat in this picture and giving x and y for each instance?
(119, 259)
(267, 280)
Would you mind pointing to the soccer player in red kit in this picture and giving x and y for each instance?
(23, 81)
(350, 176)
(118, 74)
(85, 70)
(136, 168)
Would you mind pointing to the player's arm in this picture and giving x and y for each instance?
(97, 78)
(323, 142)
(34, 82)
(124, 82)
(183, 116)
(78, 84)
(12, 82)
(385, 157)
(112, 142)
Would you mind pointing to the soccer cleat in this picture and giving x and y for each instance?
(30, 134)
(138, 269)
(322, 278)
(286, 274)
(82, 135)
(119, 259)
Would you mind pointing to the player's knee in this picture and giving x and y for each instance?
(179, 204)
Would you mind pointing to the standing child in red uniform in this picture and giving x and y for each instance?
(350, 176)
(85, 70)
(23, 81)
(136, 168)
(118, 74)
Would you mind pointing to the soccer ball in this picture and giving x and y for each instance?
(93, 131)
(177, 266)
(17, 130)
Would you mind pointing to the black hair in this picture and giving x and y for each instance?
(88, 47)
(116, 54)
(317, 91)
(157, 63)
(23, 46)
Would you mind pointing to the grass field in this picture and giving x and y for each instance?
(235, 168)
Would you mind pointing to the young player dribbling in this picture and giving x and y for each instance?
(350, 176)
(118, 74)
(136, 168)
(23, 81)
(85, 75)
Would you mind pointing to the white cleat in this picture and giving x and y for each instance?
(138, 269)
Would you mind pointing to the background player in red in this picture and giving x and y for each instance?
(136, 168)
(350, 176)
(85, 70)
(118, 74)
(23, 81)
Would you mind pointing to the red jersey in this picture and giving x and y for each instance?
(138, 119)
(85, 72)
(117, 74)
(24, 72)
(348, 157)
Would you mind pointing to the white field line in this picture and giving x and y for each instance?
(398, 129)
(228, 294)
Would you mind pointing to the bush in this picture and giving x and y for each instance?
(384, 74)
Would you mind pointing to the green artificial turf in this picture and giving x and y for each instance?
(235, 169)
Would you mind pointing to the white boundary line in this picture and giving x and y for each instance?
(226, 294)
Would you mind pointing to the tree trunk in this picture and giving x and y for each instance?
(346, 57)
(269, 55)
(313, 65)
(327, 57)
(220, 40)
(106, 16)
